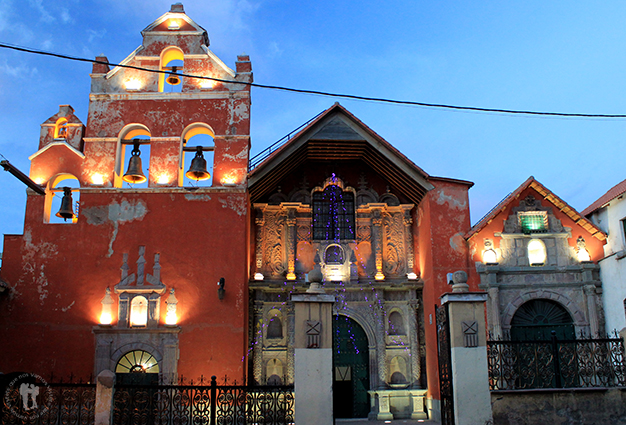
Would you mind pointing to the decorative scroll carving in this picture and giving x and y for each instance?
(363, 232)
(257, 345)
(414, 341)
(291, 243)
(274, 243)
(377, 222)
(260, 226)
(408, 234)
(393, 244)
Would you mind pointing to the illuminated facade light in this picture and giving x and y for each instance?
(171, 318)
(207, 84)
(582, 253)
(106, 317)
(229, 180)
(132, 84)
(173, 25)
(536, 252)
(411, 276)
(163, 179)
(379, 276)
(258, 276)
(490, 256)
(97, 179)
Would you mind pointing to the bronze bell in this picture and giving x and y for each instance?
(134, 173)
(197, 170)
(173, 79)
(66, 211)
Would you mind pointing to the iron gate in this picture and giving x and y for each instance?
(445, 365)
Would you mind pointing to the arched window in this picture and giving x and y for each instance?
(334, 255)
(536, 319)
(60, 129)
(139, 311)
(137, 361)
(172, 60)
(536, 252)
(275, 326)
(134, 141)
(333, 214)
(62, 200)
(194, 136)
(396, 324)
(137, 367)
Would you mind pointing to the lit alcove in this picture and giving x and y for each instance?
(274, 372)
(398, 372)
(60, 129)
(196, 165)
(172, 61)
(62, 200)
(275, 325)
(536, 252)
(396, 324)
(139, 311)
(133, 157)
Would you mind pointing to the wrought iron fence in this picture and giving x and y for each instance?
(580, 363)
(203, 404)
(63, 403)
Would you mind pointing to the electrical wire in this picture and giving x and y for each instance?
(322, 93)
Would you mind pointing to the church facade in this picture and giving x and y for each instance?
(157, 248)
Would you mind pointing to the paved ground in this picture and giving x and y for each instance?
(364, 421)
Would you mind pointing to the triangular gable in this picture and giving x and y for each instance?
(614, 192)
(65, 111)
(337, 134)
(546, 194)
(177, 13)
(57, 143)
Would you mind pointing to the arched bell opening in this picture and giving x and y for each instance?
(172, 62)
(62, 200)
(133, 157)
(197, 154)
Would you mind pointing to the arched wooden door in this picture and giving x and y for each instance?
(351, 369)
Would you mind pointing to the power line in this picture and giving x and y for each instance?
(322, 93)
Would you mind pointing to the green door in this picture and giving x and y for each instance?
(351, 369)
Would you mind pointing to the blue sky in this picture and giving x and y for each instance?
(565, 56)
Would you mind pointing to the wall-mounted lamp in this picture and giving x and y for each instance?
(133, 84)
(258, 276)
(411, 276)
(106, 317)
(220, 288)
(170, 317)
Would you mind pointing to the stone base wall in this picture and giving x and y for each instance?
(581, 406)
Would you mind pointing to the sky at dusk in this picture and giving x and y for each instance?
(560, 56)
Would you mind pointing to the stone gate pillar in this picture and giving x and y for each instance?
(468, 341)
(313, 377)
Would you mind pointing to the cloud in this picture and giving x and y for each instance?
(66, 18)
(5, 9)
(274, 50)
(45, 16)
(47, 45)
(93, 35)
(20, 71)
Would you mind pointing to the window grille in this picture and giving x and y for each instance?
(333, 214)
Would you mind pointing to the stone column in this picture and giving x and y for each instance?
(468, 341)
(313, 354)
(377, 243)
(291, 242)
(494, 312)
(592, 310)
(104, 397)
(260, 223)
